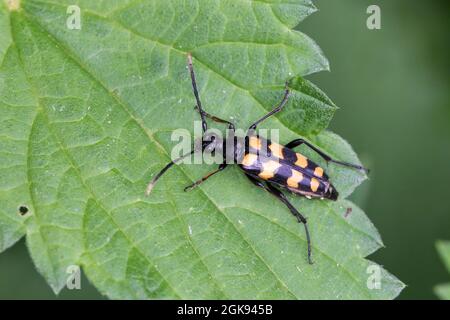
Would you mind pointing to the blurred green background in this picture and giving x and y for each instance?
(392, 86)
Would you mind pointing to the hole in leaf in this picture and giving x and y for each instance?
(23, 210)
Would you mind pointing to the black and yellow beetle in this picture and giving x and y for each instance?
(268, 165)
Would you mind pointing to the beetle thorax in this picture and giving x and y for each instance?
(232, 148)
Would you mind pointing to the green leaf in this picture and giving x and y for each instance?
(443, 248)
(86, 118)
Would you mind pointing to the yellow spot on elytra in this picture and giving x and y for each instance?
(318, 172)
(314, 184)
(249, 159)
(13, 5)
(255, 143)
(269, 169)
(295, 179)
(302, 162)
(276, 150)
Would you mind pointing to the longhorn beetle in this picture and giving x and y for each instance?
(266, 164)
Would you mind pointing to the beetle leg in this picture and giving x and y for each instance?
(196, 183)
(282, 197)
(214, 118)
(277, 109)
(327, 158)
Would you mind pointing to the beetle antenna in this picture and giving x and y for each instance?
(194, 88)
(171, 163)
